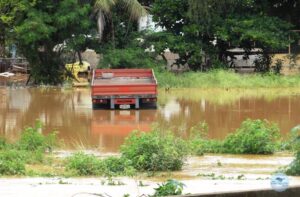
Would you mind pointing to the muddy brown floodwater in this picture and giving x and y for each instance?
(69, 111)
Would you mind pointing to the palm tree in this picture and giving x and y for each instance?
(103, 10)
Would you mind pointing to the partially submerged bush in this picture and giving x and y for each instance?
(33, 140)
(253, 137)
(154, 151)
(12, 162)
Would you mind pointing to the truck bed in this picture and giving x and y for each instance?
(120, 82)
(123, 81)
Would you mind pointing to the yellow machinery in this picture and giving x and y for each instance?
(81, 73)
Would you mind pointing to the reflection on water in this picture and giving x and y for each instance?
(70, 113)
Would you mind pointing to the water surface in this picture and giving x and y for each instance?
(70, 112)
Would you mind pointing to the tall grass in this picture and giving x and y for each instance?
(224, 79)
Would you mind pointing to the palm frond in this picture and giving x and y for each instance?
(104, 5)
(136, 10)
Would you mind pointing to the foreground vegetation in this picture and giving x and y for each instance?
(159, 150)
(225, 79)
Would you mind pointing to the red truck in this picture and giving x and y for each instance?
(124, 88)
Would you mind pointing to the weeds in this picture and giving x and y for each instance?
(154, 151)
(171, 187)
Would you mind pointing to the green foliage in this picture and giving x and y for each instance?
(253, 137)
(169, 188)
(130, 57)
(41, 26)
(224, 79)
(201, 30)
(12, 162)
(85, 164)
(154, 151)
(3, 143)
(29, 149)
(294, 168)
(32, 139)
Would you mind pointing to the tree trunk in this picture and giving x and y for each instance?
(2, 41)
(80, 58)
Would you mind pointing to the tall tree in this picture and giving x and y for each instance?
(43, 29)
(197, 29)
(104, 10)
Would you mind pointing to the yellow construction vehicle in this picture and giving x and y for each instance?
(80, 73)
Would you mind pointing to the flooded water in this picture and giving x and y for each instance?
(70, 112)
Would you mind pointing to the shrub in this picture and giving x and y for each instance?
(253, 137)
(33, 140)
(12, 162)
(171, 187)
(294, 167)
(154, 151)
(85, 164)
(117, 166)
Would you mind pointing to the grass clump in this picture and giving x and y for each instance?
(154, 151)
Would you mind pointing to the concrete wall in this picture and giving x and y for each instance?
(290, 192)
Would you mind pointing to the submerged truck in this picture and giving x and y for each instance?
(124, 88)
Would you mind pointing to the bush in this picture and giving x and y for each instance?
(12, 162)
(294, 168)
(170, 188)
(253, 137)
(154, 151)
(85, 164)
(33, 140)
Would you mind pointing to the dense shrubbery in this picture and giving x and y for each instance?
(254, 137)
(29, 149)
(12, 162)
(154, 151)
